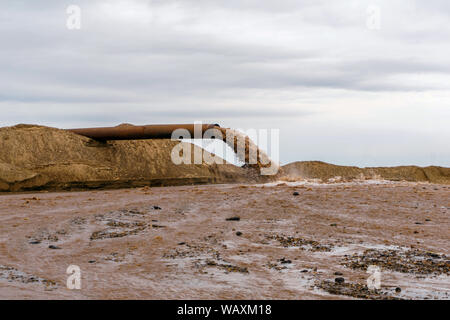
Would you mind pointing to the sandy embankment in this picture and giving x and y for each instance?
(42, 158)
(326, 172)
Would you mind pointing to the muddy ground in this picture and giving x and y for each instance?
(273, 241)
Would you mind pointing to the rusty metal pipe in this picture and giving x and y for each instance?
(131, 132)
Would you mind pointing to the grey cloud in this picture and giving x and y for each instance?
(281, 58)
(163, 59)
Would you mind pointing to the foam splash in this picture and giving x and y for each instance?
(248, 152)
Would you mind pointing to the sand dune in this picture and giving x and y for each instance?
(36, 157)
(329, 172)
(41, 158)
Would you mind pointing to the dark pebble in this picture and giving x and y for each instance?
(157, 208)
(53, 247)
(285, 261)
(239, 233)
(92, 261)
(181, 243)
(304, 271)
(398, 289)
(333, 225)
(337, 273)
(35, 242)
(339, 280)
(296, 193)
(233, 219)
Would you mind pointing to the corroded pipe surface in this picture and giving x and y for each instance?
(131, 132)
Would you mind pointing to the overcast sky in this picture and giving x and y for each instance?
(341, 85)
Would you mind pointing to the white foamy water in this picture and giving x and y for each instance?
(318, 182)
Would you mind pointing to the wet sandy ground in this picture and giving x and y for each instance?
(273, 241)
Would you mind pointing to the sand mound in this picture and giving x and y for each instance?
(37, 158)
(328, 173)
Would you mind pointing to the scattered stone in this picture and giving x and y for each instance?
(34, 242)
(157, 208)
(356, 290)
(296, 193)
(303, 244)
(233, 218)
(406, 261)
(181, 243)
(12, 274)
(227, 267)
(333, 225)
(398, 289)
(53, 247)
(119, 224)
(339, 280)
(92, 261)
(304, 271)
(337, 273)
(285, 261)
(239, 233)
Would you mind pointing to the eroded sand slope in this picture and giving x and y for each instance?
(42, 158)
(332, 173)
(36, 157)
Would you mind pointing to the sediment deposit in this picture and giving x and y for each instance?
(236, 241)
(43, 158)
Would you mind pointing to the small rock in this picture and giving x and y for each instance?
(34, 242)
(239, 233)
(304, 271)
(337, 273)
(398, 289)
(333, 225)
(181, 243)
(92, 261)
(339, 280)
(157, 208)
(296, 193)
(285, 261)
(53, 247)
(233, 219)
